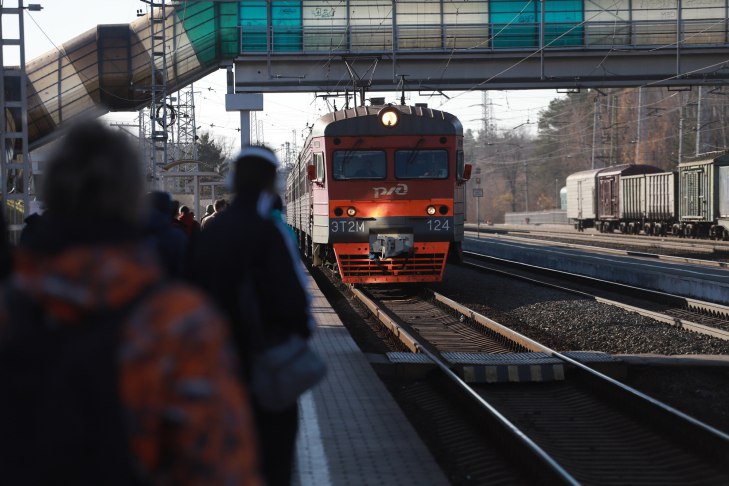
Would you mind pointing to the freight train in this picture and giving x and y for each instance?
(378, 193)
(692, 201)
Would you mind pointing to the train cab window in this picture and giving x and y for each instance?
(421, 164)
(359, 164)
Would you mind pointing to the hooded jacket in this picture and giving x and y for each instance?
(184, 418)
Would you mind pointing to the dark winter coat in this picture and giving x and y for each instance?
(240, 244)
(189, 224)
(169, 242)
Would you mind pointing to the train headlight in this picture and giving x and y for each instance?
(430, 210)
(389, 116)
(351, 212)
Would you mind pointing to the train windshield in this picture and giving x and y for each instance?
(359, 164)
(421, 164)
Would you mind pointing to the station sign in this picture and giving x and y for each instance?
(478, 192)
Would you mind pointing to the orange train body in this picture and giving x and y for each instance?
(384, 203)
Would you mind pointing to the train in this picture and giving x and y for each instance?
(378, 193)
(692, 201)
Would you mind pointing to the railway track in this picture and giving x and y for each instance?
(579, 427)
(689, 314)
(710, 255)
(689, 245)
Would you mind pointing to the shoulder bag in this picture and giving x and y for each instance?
(282, 372)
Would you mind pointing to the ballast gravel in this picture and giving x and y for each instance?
(569, 323)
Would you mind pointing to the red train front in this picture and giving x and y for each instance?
(379, 191)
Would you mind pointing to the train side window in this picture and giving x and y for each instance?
(460, 164)
(319, 162)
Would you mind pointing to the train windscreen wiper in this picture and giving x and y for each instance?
(350, 152)
(414, 152)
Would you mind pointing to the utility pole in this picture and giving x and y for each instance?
(16, 170)
(698, 123)
(640, 122)
(526, 187)
(613, 125)
(680, 129)
(158, 108)
(595, 118)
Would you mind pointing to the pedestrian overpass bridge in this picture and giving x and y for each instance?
(338, 45)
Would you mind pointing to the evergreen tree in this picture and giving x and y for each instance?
(211, 153)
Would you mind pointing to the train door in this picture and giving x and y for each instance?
(579, 200)
(607, 197)
(693, 195)
(724, 192)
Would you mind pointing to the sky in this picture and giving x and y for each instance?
(285, 116)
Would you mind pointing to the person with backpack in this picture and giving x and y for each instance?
(111, 375)
(243, 261)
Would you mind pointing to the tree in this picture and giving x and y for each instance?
(211, 153)
(563, 145)
(469, 146)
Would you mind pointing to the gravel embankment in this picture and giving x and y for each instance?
(568, 323)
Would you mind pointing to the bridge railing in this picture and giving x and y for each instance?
(483, 37)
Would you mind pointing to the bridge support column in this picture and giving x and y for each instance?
(245, 103)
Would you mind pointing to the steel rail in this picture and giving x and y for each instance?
(713, 442)
(556, 471)
(614, 251)
(672, 242)
(405, 338)
(720, 438)
(664, 297)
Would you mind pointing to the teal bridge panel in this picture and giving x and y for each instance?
(385, 26)
(289, 46)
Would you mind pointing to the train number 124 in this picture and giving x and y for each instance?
(438, 225)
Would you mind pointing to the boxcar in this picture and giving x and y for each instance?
(610, 200)
(648, 203)
(723, 221)
(700, 204)
(661, 202)
(581, 191)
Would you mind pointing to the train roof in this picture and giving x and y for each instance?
(718, 158)
(630, 169)
(623, 169)
(584, 173)
(414, 120)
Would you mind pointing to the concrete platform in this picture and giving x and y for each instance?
(351, 431)
(693, 281)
